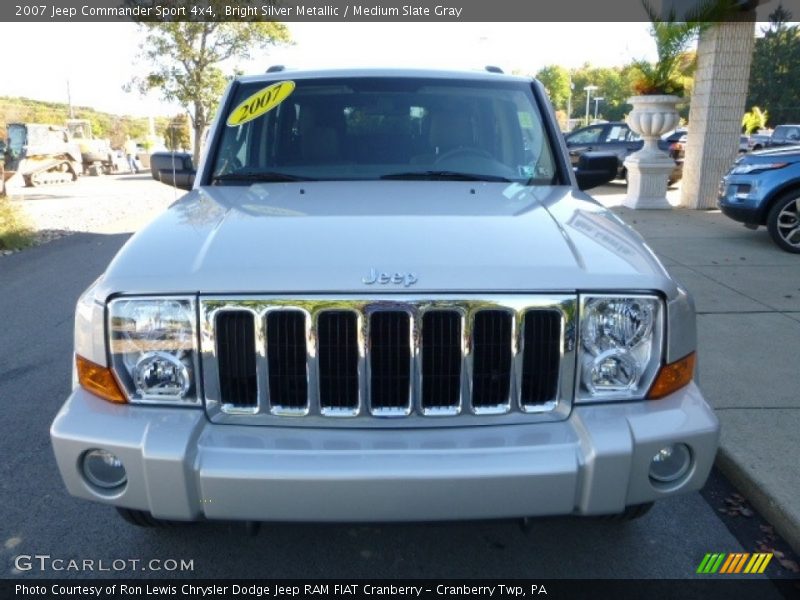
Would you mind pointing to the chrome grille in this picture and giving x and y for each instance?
(462, 360)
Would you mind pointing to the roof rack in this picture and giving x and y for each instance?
(276, 69)
(493, 69)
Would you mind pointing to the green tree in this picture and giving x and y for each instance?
(612, 86)
(176, 133)
(556, 80)
(775, 72)
(754, 120)
(186, 60)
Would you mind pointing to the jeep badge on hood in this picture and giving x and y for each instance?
(375, 276)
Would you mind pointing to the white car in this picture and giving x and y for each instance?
(385, 298)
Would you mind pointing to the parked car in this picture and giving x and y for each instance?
(744, 144)
(675, 136)
(763, 188)
(784, 135)
(758, 141)
(618, 138)
(385, 298)
(678, 148)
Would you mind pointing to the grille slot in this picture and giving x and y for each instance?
(286, 359)
(541, 357)
(236, 352)
(390, 362)
(491, 366)
(338, 361)
(441, 361)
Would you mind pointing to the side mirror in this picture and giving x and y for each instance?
(596, 168)
(180, 178)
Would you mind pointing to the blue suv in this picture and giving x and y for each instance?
(763, 188)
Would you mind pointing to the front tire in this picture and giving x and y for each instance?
(631, 513)
(783, 222)
(142, 518)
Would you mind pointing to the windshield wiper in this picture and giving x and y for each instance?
(444, 176)
(267, 176)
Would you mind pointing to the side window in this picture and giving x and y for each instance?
(793, 134)
(617, 133)
(590, 135)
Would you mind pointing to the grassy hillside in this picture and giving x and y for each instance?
(104, 125)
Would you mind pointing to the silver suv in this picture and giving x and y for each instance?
(385, 298)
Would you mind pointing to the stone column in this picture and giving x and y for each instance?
(724, 54)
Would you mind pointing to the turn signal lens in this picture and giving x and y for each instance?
(673, 377)
(98, 380)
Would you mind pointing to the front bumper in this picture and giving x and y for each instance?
(741, 198)
(180, 466)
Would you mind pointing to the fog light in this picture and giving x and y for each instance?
(670, 463)
(103, 469)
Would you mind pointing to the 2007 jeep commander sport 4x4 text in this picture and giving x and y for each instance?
(385, 298)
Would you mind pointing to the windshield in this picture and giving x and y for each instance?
(16, 139)
(390, 128)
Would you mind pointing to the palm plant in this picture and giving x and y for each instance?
(673, 38)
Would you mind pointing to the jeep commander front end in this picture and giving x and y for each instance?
(385, 298)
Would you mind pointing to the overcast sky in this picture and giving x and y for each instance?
(99, 58)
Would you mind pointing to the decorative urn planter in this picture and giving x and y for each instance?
(649, 168)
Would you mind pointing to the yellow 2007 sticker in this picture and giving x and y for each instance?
(261, 102)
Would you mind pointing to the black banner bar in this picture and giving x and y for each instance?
(711, 588)
(411, 11)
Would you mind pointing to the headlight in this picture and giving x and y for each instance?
(620, 346)
(755, 167)
(154, 349)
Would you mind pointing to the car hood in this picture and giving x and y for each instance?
(334, 237)
(791, 153)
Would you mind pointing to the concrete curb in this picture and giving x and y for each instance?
(772, 510)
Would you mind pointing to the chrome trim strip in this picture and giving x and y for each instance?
(414, 414)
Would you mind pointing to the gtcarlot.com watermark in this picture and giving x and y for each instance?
(46, 563)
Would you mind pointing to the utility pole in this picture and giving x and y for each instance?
(569, 102)
(597, 100)
(588, 89)
(69, 101)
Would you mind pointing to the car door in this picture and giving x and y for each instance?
(620, 140)
(583, 140)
